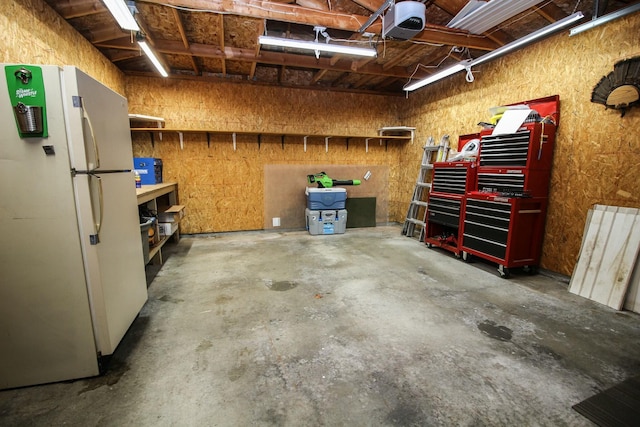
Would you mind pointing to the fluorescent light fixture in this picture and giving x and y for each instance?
(604, 19)
(317, 46)
(152, 56)
(438, 76)
(467, 64)
(536, 35)
(120, 11)
(479, 17)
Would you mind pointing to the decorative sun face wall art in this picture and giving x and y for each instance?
(620, 89)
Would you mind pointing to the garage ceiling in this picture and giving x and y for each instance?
(218, 39)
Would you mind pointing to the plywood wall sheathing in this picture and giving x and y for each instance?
(223, 189)
(32, 33)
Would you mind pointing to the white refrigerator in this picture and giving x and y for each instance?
(72, 276)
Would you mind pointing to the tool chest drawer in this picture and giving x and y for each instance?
(497, 214)
(531, 148)
(454, 177)
(497, 250)
(444, 211)
(501, 182)
(486, 226)
(505, 150)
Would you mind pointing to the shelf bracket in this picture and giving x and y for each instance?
(181, 140)
(348, 143)
(282, 141)
(153, 141)
(259, 140)
(366, 145)
(326, 144)
(233, 136)
(305, 143)
(208, 140)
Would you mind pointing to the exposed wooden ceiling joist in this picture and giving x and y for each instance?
(212, 39)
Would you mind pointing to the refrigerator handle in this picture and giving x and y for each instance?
(95, 238)
(85, 116)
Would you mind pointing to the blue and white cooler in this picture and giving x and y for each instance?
(325, 212)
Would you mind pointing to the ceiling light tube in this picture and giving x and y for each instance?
(604, 19)
(152, 56)
(439, 75)
(556, 26)
(316, 46)
(491, 14)
(122, 14)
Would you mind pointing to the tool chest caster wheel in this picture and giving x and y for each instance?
(430, 245)
(504, 272)
(530, 269)
(466, 256)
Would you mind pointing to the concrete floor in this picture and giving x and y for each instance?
(368, 328)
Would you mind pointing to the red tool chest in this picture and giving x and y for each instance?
(449, 186)
(507, 231)
(518, 163)
(497, 211)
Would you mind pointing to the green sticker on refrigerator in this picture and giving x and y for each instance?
(26, 92)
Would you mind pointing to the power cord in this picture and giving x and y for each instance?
(469, 77)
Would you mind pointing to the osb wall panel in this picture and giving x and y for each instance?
(33, 33)
(223, 189)
(284, 190)
(597, 152)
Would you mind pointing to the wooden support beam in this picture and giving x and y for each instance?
(70, 9)
(183, 36)
(330, 19)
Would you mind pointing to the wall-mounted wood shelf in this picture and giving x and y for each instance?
(259, 135)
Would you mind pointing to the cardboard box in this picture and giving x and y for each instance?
(174, 214)
(167, 228)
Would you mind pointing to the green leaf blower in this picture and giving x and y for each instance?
(323, 180)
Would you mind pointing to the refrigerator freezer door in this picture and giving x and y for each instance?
(98, 119)
(46, 330)
(115, 266)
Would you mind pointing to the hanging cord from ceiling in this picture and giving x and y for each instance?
(454, 49)
(576, 7)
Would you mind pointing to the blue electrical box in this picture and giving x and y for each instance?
(149, 169)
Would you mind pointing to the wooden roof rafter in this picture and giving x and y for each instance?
(151, 41)
(223, 62)
(254, 64)
(70, 9)
(183, 36)
(305, 16)
(248, 55)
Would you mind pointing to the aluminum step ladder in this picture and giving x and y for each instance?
(417, 212)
